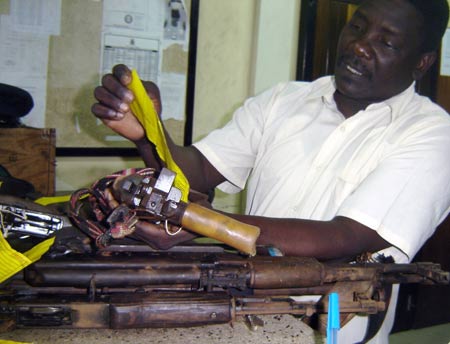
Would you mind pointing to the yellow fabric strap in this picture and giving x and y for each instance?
(12, 261)
(143, 108)
(51, 200)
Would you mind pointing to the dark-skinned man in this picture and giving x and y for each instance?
(351, 163)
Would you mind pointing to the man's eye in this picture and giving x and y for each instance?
(389, 45)
(355, 27)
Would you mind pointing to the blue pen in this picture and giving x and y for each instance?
(333, 318)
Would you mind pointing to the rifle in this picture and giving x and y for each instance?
(137, 287)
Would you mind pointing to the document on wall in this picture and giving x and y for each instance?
(23, 63)
(173, 93)
(37, 16)
(136, 33)
(24, 42)
(445, 54)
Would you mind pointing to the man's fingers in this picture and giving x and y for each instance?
(114, 87)
(104, 112)
(122, 73)
(113, 104)
(125, 124)
(109, 100)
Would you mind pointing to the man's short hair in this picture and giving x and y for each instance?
(435, 14)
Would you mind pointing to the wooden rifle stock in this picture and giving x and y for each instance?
(223, 228)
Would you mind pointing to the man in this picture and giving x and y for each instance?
(347, 164)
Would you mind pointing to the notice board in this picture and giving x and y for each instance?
(59, 49)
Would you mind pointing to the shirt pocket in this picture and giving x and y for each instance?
(357, 169)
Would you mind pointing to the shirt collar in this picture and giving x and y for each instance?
(395, 104)
(399, 101)
(325, 87)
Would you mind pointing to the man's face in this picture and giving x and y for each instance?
(378, 50)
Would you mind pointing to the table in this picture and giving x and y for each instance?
(277, 329)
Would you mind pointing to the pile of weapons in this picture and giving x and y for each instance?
(179, 289)
(127, 284)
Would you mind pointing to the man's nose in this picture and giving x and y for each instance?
(362, 48)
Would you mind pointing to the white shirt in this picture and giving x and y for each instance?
(386, 167)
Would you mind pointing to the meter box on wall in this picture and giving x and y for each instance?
(132, 32)
(151, 36)
(142, 54)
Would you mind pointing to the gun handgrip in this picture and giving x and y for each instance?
(223, 228)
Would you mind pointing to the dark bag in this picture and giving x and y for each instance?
(12, 186)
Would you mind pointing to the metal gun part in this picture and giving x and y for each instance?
(144, 192)
(18, 220)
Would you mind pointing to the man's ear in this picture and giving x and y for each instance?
(425, 62)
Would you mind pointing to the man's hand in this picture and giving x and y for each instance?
(114, 99)
(156, 235)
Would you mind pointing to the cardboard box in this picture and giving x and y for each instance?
(29, 154)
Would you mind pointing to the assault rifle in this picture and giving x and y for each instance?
(133, 286)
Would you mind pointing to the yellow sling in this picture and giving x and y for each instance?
(12, 261)
(143, 108)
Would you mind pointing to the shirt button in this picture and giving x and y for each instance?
(342, 129)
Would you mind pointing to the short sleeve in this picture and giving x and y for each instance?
(408, 194)
(232, 150)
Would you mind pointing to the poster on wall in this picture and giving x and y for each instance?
(137, 33)
(25, 30)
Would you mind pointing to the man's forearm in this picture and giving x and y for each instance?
(202, 176)
(148, 153)
(335, 239)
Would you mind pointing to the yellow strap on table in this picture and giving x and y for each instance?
(143, 108)
(52, 199)
(12, 261)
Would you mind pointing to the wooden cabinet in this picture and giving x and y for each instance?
(29, 154)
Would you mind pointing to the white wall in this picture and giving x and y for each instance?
(276, 39)
(244, 47)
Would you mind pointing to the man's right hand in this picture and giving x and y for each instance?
(114, 98)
